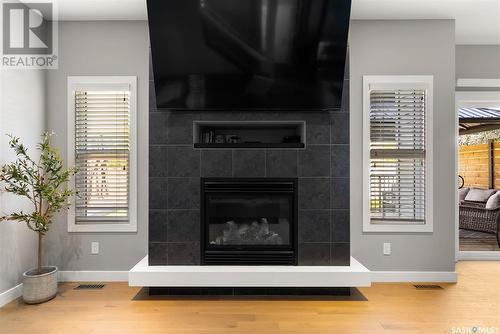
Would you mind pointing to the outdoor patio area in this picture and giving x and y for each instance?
(479, 179)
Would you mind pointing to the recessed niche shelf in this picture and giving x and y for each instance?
(249, 134)
(250, 145)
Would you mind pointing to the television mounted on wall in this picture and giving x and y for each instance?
(248, 54)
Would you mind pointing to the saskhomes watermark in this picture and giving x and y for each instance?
(28, 35)
(474, 330)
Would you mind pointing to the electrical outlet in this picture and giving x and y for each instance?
(94, 247)
(387, 248)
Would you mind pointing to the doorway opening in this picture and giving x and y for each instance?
(478, 172)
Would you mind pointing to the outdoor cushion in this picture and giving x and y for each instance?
(493, 202)
(462, 193)
(479, 195)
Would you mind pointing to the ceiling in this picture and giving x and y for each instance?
(477, 21)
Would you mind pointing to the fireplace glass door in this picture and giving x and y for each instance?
(251, 220)
(248, 221)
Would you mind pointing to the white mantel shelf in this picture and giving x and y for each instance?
(355, 275)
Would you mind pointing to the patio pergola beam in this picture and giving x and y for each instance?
(479, 128)
(482, 120)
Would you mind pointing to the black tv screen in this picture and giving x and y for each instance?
(248, 54)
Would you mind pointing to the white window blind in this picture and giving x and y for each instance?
(102, 156)
(397, 146)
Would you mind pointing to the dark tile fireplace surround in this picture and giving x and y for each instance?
(321, 171)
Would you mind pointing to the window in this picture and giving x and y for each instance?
(102, 141)
(397, 153)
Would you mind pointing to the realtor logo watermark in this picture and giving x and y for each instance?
(29, 35)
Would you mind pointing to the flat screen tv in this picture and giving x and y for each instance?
(248, 54)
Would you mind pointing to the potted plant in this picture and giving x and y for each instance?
(43, 182)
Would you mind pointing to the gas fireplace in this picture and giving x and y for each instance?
(248, 221)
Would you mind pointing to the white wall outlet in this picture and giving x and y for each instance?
(94, 247)
(387, 248)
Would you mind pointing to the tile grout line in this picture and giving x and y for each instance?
(200, 152)
(265, 163)
(330, 183)
(297, 165)
(167, 197)
(232, 163)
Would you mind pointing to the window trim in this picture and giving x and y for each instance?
(371, 82)
(104, 82)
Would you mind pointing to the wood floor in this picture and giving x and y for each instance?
(477, 241)
(391, 308)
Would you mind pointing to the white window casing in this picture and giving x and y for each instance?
(397, 153)
(102, 142)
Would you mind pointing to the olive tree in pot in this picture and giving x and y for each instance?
(43, 181)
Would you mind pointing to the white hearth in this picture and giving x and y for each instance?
(355, 275)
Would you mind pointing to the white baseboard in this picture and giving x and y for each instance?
(478, 256)
(11, 294)
(414, 276)
(93, 276)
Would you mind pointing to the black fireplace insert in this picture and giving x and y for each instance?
(249, 221)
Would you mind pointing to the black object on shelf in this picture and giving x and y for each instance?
(249, 134)
(291, 139)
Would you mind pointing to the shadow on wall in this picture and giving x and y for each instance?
(13, 238)
(61, 248)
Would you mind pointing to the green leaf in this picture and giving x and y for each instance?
(43, 183)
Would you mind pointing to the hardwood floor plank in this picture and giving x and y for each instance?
(391, 308)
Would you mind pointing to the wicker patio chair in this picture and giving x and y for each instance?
(474, 216)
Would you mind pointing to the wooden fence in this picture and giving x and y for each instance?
(479, 165)
(496, 165)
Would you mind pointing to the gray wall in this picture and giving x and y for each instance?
(100, 48)
(22, 106)
(425, 47)
(377, 47)
(478, 61)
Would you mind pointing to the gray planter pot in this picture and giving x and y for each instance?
(39, 288)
